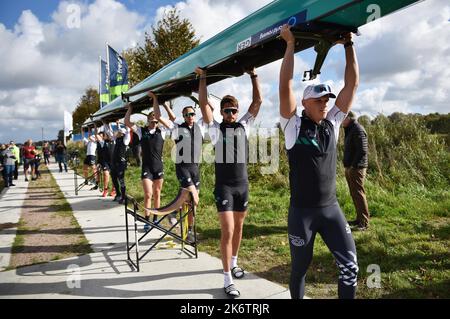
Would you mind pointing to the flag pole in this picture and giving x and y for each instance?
(100, 80)
(108, 71)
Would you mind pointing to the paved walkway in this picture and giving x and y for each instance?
(105, 273)
(11, 202)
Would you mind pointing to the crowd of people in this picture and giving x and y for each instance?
(29, 156)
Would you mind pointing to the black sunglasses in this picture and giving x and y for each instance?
(229, 111)
(189, 114)
(322, 88)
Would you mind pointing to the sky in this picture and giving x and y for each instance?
(49, 58)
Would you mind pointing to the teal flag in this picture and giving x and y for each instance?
(104, 87)
(118, 74)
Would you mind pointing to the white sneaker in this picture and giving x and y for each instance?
(172, 221)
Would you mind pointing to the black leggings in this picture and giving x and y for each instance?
(118, 178)
(330, 223)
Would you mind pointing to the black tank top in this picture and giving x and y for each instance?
(312, 163)
(104, 152)
(120, 149)
(152, 148)
(190, 140)
(231, 152)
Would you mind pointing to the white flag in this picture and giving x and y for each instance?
(67, 123)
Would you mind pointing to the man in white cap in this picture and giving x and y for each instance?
(311, 145)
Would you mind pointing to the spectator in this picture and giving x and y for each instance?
(9, 160)
(60, 154)
(2, 168)
(16, 152)
(29, 154)
(355, 163)
(46, 151)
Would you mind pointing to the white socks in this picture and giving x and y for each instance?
(233, 261)
(227, 279)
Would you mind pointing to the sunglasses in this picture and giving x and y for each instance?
(189, 114)
(322, 88)
(230, 111)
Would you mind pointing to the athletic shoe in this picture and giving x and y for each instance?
(105, 193)
(146, 227)
(116, 198)
(113, 194)
(26, 179)
(172, 220)
(122, 201)
(12, 184)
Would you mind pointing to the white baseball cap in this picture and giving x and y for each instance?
(317, 90)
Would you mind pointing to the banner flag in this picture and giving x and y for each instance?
(104, 87)
(118, 73)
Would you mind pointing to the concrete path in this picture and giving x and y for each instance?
(11, 202)
(165, 272)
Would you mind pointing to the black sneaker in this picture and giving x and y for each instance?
(122, 201)
(26, 179)
(12, 184)
(94, 188)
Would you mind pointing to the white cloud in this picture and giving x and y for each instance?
(47, 66)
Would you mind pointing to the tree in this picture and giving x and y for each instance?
(171, 38)
(88, 104)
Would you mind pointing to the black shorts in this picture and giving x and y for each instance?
(89, 160)
(27, 162)
(231, 197)
(105, 166)
(151, 173)
(188, 175)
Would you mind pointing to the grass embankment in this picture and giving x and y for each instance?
(47, 228)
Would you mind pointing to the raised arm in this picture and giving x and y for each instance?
(287, 97)
(169, 111)
(256, 95)
(345, 98)
(203, 97)
(127, 119)
(157, 111)
(107, 129)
